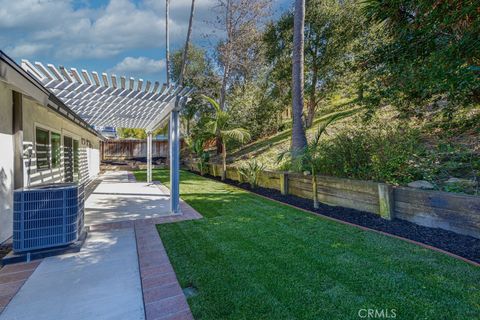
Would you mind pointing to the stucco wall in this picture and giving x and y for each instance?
(6, 163)
(34, 115)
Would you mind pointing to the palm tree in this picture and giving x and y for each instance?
(167, 42)
(219, 127)
(310, 157)
(187, 43)
(299, 140)
(195, 147)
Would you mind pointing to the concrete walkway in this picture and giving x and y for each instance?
(120, 198)
(122, 271)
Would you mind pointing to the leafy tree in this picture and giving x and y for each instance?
(239, 53)
(331, 26)
(432, 57)
(135, 133)
(126, 133)
(253, 108)
(199, 74)
(221, 128)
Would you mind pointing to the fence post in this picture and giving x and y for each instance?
(214, 170)
(385, 197)
(284, 183)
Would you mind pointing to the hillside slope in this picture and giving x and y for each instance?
(451, 148)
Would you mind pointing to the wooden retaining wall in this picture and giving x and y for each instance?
(455, 212)
(449, 211)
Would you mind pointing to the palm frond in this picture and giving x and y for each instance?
(237, 134)
(212, 102)
(283, 155)
(222, 119)
(211, 126)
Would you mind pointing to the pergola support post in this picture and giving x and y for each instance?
(149, 157)
(174, 130)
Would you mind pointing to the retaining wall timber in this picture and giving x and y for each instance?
(449, 211)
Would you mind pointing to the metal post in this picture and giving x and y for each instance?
(175, 161)
(149, 157)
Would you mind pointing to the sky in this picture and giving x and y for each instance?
(123, 37)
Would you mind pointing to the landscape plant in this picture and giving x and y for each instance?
(250, 172)
(309, 158)
(196, 146)
(220, 127)
(379, 152)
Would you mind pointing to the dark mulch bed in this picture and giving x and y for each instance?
(464, 246)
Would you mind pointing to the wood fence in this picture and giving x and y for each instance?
(437, 209)
(131, 149)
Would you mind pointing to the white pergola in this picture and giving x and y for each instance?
(103, 100)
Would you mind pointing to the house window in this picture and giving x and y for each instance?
(42, 148)
(48, 148)
(56, 149)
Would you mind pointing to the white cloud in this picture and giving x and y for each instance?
(28, 49)
(138, 66)
(184, 5)
(46, 29)
(33, 14)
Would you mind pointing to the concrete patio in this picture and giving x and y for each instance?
(121, 272)
(120, 198)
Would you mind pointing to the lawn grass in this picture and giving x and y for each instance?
(251, 258)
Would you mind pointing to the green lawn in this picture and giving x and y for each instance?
(252, 258)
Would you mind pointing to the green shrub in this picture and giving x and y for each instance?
(373, 153)
(202, 163)
(251, 172)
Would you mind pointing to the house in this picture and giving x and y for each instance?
(41, 139)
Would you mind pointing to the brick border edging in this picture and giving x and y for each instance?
(12, 278)
(163, 297)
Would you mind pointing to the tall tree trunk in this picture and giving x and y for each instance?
(312, 101)
(299, 140)
(187, 44)
(227, 56)
(218, 145)
(223, 94)
(224, 161)
(167, 41)
(223, 91)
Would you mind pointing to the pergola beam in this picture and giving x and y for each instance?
(107, 99)
(113, 101)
